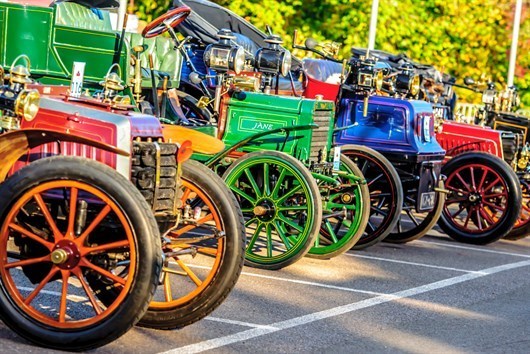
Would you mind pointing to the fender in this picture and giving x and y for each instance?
(15, 144)
(200, 142)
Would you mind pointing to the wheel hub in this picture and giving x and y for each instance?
(346, 198)
(265, 210)
(65, 255)
(475, 198)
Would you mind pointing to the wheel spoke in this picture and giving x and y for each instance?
(31, 235)
(27, 262)
(375, 180)
(279, 182)
(266, 179)
(190, 227)
(49, 219)
(486, 216)
(253, 183)
(102, 214)
(268, 231)
(242, 194)
(105, 247)
(473, 183)
(251, 221)
(85, 263)
(293, 208)
(479, 219)
(492, 184)
(167, 288)
(460, 210)
(494, 206)
(88, 292)
(290, 223)
(469, 211)
(412, 218)
(71, 213)
(189, 272)
(282, 235)
(65, 274)
(289, 194)
(331, 232)
(482, 180)
(41, 285)
(463, 182)
(255, 236)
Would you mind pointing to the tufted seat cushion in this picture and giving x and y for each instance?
(74, 15)
(322, 70)
(166, 60)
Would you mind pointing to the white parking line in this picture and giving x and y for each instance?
(337, 311)
(485, 250)
(74, 298)
(413, 263)
(240, 323)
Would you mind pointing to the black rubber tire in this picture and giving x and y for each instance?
(342, 246)
(513, 202)
(232, 260)
(521, 231)
(146, 236)
(373, 165)
(426, 223)
(313, 194)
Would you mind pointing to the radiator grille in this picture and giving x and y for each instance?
(319, 141)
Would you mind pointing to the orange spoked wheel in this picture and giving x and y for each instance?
(204, 254)
(69, 228)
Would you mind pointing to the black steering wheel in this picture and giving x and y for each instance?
(171, 18)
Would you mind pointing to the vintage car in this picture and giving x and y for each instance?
(200, 29)
(483, 197)
(197, 216)
(70, 226)
(255, 126)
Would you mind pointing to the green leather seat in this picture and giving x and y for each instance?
(74, 15)
(165, 58)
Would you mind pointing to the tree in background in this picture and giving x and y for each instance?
(460, 37)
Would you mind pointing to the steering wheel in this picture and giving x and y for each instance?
(171, 18)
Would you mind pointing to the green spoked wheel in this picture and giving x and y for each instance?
(346, 204)
(281, 205)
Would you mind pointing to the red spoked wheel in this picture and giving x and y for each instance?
(521, 229)
(160, 25)
(484, 198)
(67, 225)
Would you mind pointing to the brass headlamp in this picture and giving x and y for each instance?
(113, 84)
(522, 163)
(407, 82)
(225, 56)
(17, 102)
(274, 59)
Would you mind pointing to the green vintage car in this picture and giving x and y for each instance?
(57, 36)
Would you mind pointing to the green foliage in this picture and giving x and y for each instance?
(460, 37)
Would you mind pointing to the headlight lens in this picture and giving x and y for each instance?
(379, 77)
(239, 60)
(286, 63)
(414, 85)
(27, 104)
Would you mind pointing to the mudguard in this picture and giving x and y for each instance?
(15, 144)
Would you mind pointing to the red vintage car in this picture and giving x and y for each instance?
(185, 203)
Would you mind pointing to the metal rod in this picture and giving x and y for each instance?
(515, 40)
(373, 25)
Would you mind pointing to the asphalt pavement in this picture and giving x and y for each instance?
(433, 295)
